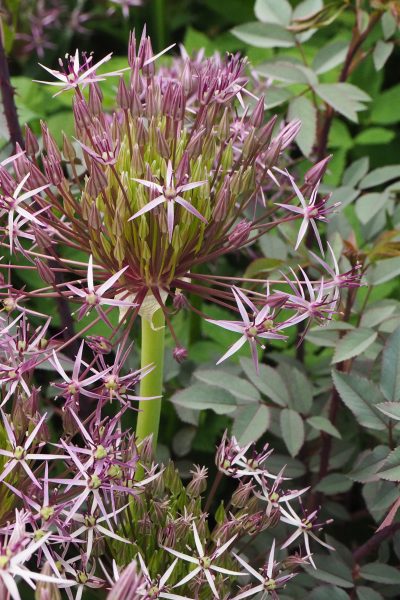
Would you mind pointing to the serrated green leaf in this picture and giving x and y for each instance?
(263, 35)
(328, 592)
(368, 464)
(369, 205)
(268, 11)
(391, 469)
(346, 98)
(302, 108)
(390, 409)
(292, 428)
(241, 389)
(323, 424)
(390, 374)
(356, 171)
(268, 381)
(200, 397)
(330, 56)
(375, 135)
(334, 483)
(277, 96)
(353, 344)
(367, 593)
(284, 70)
(300, 388)
(380, 175)
(389, 25)
(380, 573)
(383, 271)
(250, 423)
(381, 53)
(331, 570)
(361, 396)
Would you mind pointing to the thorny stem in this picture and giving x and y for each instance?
(326, 439)
(11, 115)
(356, 42)
(7, 94)
(375, 541)
(152, 353)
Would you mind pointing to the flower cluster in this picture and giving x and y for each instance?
(84, 503)
(40, 20)
(174, 179)
(121, 223)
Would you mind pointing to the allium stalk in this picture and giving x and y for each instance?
(152, 353)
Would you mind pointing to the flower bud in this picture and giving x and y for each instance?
(257, 115)
(45, 272)
(123, 96)
(198, 484)
(46, 590)
(315, 174)
(31, 143)
(180, 354)
(241, 495)
(179, 300)
(240, 233)
(68, 149)
(97, 181)
(53, 170)
(99, 344)
(95, 99)
(128, 585)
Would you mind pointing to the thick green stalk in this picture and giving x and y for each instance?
(152, 352)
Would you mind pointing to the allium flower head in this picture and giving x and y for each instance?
(172, 178)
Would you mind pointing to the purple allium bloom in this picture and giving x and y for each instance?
(75, 74)
(94, 296)
(316, 209)
(14, 553)
(259, 324)
(171, 194)
(269, 581)
(204, 563)
(305, 526)
(11, 205)
(20, 454)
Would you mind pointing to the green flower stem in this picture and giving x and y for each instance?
(153, 339)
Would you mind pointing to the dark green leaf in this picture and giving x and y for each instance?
(263, 35)
(200, 396)
(360, 395)
(380, 573)
(250, 423)
(330, 56)
(302, 108)
(241, 389)
(268, 11)
(346, 98)
(380, 175)
(268, 381)
(334, 483)
(292, 428)
(353, 344)
(390, 374)
(323, 424)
